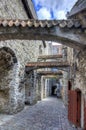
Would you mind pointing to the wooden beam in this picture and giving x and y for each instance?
(37, 65)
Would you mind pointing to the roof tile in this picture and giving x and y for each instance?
(23, 23)
(63, 24)
(70, 24)
(17, 23)
(41, 23)
(10, 23)
(29, 23)
(5, 23)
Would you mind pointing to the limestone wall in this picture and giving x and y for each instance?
(25, 52)
(64, 82)
(77, 60)
(80, 81)
(78, 66)
(12, 9)
(30, 89)
(70, 57)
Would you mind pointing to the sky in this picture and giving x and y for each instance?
(52, 9)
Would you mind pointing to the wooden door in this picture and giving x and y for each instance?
(84, 115)
(78, 108)
(74, 107)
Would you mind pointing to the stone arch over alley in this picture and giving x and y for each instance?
(70, 33)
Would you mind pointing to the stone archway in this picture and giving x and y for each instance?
(8, 61)
(68, 32)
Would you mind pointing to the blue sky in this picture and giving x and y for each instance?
(53, 9)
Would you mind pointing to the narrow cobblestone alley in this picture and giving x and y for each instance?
(48, 114)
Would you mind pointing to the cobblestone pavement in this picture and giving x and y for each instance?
(49, 114)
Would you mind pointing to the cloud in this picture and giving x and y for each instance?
(60, 14)
(43, 13)
(49, 4)
(56, 8)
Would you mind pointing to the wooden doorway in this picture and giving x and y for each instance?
(69, 85)
(84, 114)
(74, 107)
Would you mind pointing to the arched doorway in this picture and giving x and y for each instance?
(7, 66)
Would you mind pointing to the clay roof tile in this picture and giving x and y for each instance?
(17, 23)
(23, 23)
(41, 23)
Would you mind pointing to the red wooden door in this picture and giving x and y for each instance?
(74, 107)
(78, 108)
(84, 115)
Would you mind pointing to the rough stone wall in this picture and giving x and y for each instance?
(39, 88)
(8, 80)
(12, 9)
(42, 87)
(70, 55)
(47, 87)
(24, 50)
(80, 81)
(64, 82)
(79, 78)
(77, 60)
(30, 89)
